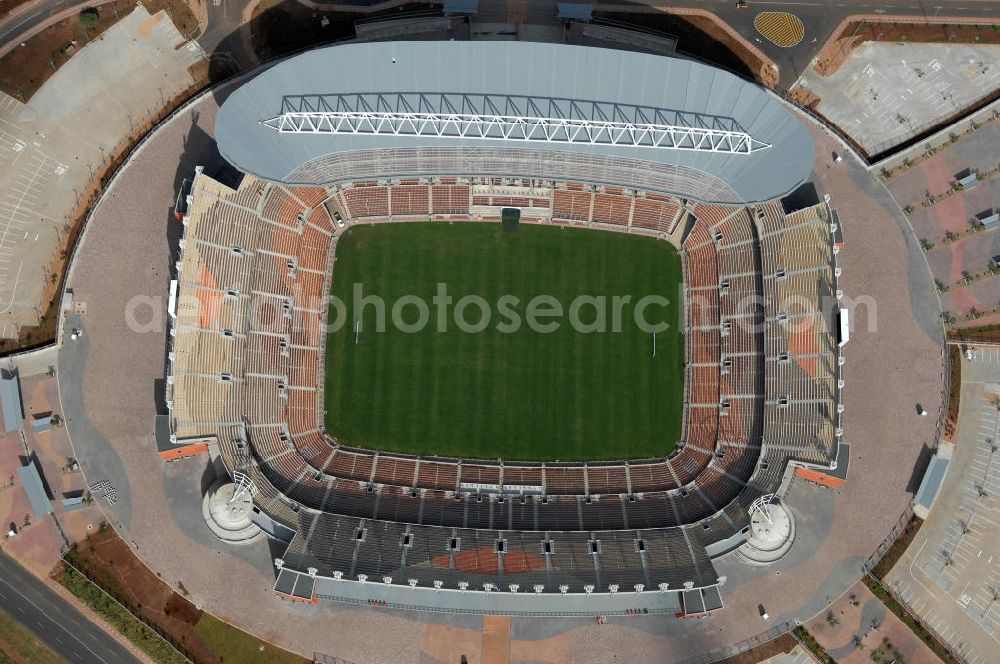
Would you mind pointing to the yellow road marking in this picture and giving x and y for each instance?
(780, 28)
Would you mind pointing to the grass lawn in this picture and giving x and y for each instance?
(17, 641)
(524, 394)
(235, 645)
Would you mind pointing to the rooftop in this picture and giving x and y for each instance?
(478, 82)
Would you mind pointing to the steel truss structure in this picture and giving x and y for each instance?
(507, 118)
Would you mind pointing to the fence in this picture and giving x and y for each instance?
(890, 539)
(496, 611)
(742, 646)
(926, 626)
(322, 658)
(178, 648)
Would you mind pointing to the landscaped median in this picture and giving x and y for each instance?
(120, 618)
(807, 639)
(915, 625)
(104, 573)
(18, 644)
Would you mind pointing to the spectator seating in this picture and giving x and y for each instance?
(761, 389)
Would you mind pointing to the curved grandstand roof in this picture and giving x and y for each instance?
(732, 141)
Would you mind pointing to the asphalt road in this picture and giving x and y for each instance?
(13, 29)
(819, 18)
(53, 620)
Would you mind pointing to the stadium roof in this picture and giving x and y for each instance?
(730, 140)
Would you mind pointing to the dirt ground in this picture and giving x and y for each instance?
(106, 558)
(855, 34)
(803, 97)
(783, 644)
(25, 69)
(10, 5)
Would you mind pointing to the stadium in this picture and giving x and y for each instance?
(661, 159)
(289, 473)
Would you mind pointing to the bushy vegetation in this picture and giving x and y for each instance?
(89, 18)
(915, 625)
(131, 627)
(806, 639)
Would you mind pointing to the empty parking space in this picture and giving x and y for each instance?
(53, 147)
(30, 224)
(885, 93)
(950, 576)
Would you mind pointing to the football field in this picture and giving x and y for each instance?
(472, 359)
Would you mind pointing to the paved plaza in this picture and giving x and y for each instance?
(950, 574)
(52, 147)
(886, 93)
(962, 262)
(858, 623)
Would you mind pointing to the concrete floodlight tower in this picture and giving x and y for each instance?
(226, 509)
(772, 531)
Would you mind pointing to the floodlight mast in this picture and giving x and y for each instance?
(516, 128)
(759, 506)
(244, 485)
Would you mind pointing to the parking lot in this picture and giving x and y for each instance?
(950, 575)
(52, 148)
(885, 93)
(35, 202)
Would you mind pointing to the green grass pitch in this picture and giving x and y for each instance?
(525, 395)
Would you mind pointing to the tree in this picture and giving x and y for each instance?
(89, 18)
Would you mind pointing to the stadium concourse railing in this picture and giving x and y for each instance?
(231, 81)
(488, 612)
(289, 482)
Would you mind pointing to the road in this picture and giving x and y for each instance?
(221, 37)
(17, 27)
(821, 18)
(54, 620)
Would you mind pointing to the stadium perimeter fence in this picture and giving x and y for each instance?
(920, 622)
(494, 612)
(124, 603)
(735, 649)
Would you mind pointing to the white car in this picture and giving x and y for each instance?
(340, 220)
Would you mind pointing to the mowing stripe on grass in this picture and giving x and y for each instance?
(564, 395)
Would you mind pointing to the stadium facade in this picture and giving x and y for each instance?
(576, 136)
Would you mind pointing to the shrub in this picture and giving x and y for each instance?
(89, 18)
